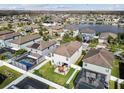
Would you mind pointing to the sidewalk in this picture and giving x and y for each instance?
(71, 77)
(115, 79)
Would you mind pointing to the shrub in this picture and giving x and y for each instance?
(21, 51)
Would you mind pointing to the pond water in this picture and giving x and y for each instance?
(96, 27)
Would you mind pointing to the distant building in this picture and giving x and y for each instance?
(96, 69)
(73, 28)
(67, 53)
(87, 34)
(4, 39)
(49, 23)
(104, 36)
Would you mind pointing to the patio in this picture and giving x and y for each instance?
(90, 80)
(63, 70)
(6, 53)
(47, 72)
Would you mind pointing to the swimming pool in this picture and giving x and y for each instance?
(25, 62)
(83, 85)
(2, 78)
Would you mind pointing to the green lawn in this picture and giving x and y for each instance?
(115, 68)
(113, 48)
(111, 84)
(47, 72)
(121, 86)
(93, 43)
(51, 87)
(71, 84)
(8, 80)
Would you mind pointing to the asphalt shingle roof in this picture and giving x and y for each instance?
(100, 57)
(68, 49)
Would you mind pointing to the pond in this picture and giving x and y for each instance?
(96, 27)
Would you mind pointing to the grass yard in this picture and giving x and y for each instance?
(93, 43)
(111, 84)
(51, 87)
(115, 69)
(121, 86)
(8, 79)
(71, 84)
(47, 72)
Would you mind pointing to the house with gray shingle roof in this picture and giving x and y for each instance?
(42, 47)
(67, 53)
(24, 41)
(87, 34)
(4, 39)
(96, 69)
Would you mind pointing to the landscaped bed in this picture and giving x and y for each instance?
(10, 75)
(47, 72)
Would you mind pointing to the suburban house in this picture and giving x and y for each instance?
(67, 53)
(24, 41)
(72, 28)
(87, 34)
(42, 47)
(49, 23)
(103, 38)
(27, 60)
(4, 39)
(5, 32)
(96, 69)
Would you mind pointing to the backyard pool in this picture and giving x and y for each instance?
(2, 78)
(83, 85)
(27, 63)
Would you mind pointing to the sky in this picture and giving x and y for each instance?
(62, 6)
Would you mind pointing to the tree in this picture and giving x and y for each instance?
(42, 30)
(10, 26)
(56, 34)
(120, 38)
(98, 33)
(110, 40)
(45, 38)
(78, 38)
(21, 51)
